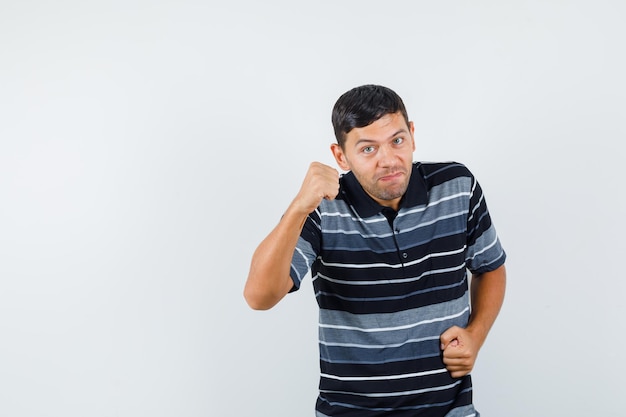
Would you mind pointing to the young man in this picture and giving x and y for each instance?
(390, 246)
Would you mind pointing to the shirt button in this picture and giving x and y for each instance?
(404, 255)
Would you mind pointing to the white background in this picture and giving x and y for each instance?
(146, 147)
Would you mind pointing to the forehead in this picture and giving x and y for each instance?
(387, 127)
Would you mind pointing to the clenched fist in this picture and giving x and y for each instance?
(321, 181)
(459, 351)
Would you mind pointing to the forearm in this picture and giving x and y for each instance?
(268, 279)
(487, 294)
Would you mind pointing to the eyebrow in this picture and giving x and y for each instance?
(366, 140)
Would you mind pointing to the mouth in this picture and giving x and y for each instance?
(391, 177)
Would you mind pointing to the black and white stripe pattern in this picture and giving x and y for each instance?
(387, 291)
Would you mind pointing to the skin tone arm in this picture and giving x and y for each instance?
(268, 280)
(460, 346)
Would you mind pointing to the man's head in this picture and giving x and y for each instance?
(362, 106)
(375, 141)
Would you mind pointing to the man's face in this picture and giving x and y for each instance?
(381, 156)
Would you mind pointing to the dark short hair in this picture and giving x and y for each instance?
(362, 106)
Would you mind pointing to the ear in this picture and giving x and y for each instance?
(412, 130)
(340, 157)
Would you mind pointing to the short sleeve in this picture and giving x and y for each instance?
(306, 250)
(485, 252)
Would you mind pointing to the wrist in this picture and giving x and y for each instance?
(477, 331)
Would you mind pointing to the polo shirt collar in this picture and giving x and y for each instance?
(366, 206)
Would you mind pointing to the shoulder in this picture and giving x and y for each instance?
(436, 173)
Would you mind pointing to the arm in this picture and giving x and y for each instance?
(460, 346)
(268, 280)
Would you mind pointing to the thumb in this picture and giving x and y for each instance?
(449, 337)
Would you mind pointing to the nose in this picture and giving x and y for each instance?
(386, 156)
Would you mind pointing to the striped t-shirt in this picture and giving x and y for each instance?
(388, 284)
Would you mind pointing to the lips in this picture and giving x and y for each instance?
(391, 177)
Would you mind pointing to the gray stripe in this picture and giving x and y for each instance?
(364, 331)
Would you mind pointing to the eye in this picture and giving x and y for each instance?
(368, 149)
(398, 141)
